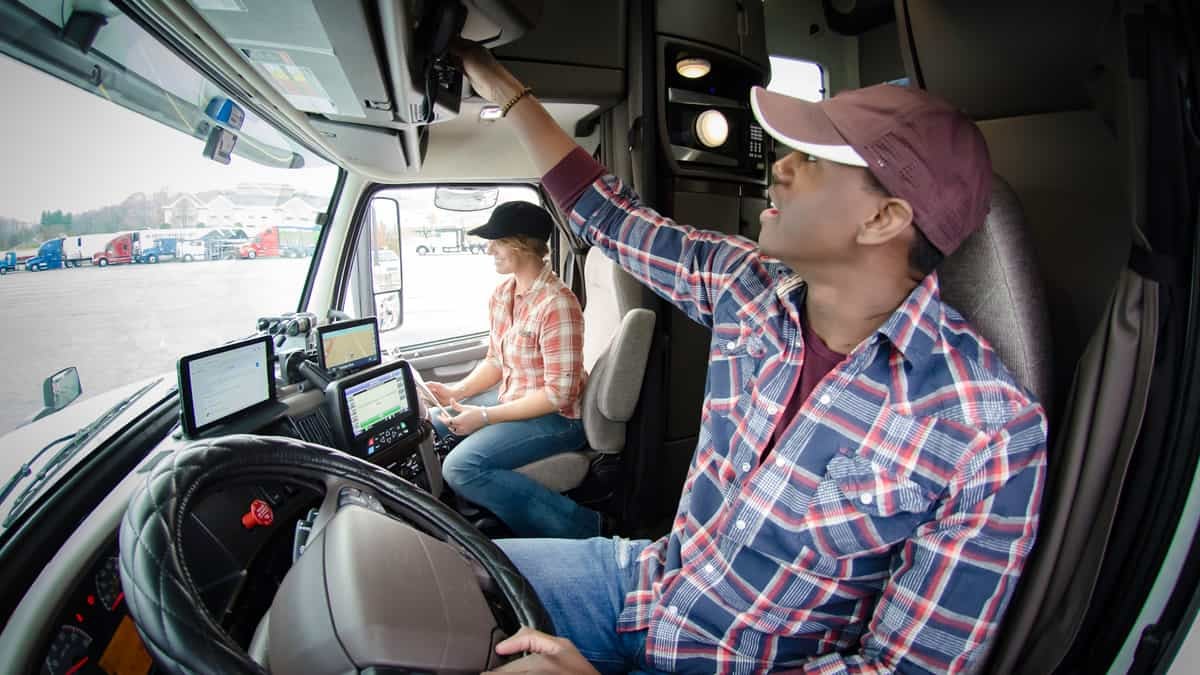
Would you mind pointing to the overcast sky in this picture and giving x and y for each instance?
(68, 149)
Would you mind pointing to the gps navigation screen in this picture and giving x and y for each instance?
(350, 347)
(230, 381)
(376, 400)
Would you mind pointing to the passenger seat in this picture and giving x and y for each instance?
(616, 344)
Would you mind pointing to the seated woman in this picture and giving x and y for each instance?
(535, 355)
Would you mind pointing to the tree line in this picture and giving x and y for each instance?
(138, 211)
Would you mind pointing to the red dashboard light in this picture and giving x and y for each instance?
(79, 617)
(91, 600)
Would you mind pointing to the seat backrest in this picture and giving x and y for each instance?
(993, 279)
(615, 382)
(616, 344)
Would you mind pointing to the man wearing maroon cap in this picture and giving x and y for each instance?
(866, 485)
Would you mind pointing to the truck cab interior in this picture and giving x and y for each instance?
(172, 545)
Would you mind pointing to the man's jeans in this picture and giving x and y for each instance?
(583, 585)
(481, 468)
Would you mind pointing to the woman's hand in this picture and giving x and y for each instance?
(546, 655)
(488, 78)
(468, 420)
(444, 393)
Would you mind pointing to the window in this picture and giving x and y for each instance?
(431, 280)
(797, 78)
(101, 202)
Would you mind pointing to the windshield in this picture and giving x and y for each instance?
(123, 247)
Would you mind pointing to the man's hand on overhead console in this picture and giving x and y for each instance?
(488, 78)
(544, 140)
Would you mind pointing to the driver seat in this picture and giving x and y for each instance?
(616, 343)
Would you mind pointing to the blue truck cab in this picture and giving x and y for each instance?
(161, 248)
(49, 257)
(8, 263)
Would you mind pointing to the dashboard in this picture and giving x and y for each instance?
(235, 533)
(242, 537)
(95, 633)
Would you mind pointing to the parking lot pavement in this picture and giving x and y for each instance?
(123, 323)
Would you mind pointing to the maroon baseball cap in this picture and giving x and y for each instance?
(919, 147)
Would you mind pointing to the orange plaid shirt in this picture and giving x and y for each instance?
(537, 342)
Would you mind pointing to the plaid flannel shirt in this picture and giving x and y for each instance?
(536, 341)
(885, 532)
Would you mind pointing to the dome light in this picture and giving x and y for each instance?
(693, 68)
(712, 128)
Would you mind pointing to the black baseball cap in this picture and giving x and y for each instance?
(516, 218)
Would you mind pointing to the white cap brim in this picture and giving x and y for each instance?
(786, 119)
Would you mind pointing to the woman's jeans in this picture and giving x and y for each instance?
(482, 469)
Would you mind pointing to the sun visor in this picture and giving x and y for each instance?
(319, 56)
(311, 52)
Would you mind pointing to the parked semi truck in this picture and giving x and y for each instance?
(188, 250)
(118, 251)
(289, 242)
(224, 243)
(153, 250)
(8, 263)
(50, 256)
(439, 240)
(80, 248)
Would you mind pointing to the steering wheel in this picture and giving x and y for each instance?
(390, 580)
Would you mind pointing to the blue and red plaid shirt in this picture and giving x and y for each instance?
(887, 528)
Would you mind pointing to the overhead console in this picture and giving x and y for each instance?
(368, 97)
(709, 56)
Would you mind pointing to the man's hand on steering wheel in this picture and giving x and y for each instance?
(547, 654)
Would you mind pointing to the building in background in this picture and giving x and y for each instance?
(250, 205)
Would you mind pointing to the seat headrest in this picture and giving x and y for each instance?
(993, 279)
(610, 292)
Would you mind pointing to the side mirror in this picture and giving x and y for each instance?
(389, 310)
(59, 390)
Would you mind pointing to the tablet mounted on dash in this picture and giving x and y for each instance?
(348, 346)
(220, 384)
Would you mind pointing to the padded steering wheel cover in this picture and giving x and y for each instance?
(164, 600)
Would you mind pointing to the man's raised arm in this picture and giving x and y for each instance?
(689, 268)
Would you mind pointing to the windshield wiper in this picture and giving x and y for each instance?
(74, 442)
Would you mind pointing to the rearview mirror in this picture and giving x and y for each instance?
(460, 198)
(59, 390)
(389, 310)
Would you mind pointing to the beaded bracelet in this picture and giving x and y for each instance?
(513, 101)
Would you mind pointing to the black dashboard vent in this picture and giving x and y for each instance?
(314, 428)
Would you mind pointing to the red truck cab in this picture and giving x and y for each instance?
(264, 245)
(118, 251)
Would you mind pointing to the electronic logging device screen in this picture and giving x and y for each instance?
(349, 345)
(378, 408)
(219, 384)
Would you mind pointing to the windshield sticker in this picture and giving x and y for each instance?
(220, 5)
(299, 85)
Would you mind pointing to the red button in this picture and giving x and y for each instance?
(260, 514)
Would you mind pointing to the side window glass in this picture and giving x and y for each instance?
(797, 78)
(431, 281)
